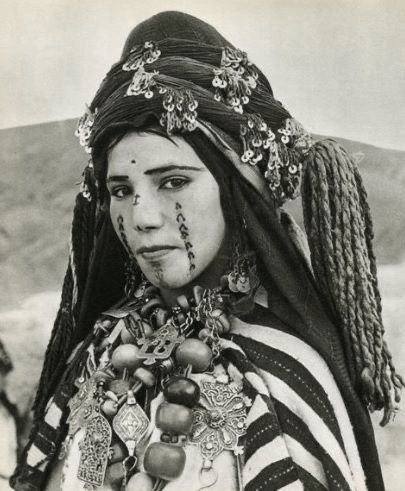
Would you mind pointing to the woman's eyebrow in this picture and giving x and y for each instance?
(169, 167)
(117, 178)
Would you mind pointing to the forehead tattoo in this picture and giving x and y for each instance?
(133, 161)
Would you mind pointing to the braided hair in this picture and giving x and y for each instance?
(340, 233)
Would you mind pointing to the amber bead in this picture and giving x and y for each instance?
(119, 386)
(146, 329)
(183, 302)
(145, 376)
(125, 356)
(127, 337)
(195, 353)
(115, 475)
(140, 482)
(109, 408)
(164, 461)
(180, 318)
(182, 390)
(174, 418)
(143, 325)
(165, 438)
(151, 305)
(161, 317)
(119, 452)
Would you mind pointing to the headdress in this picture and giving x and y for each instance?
(179, 72)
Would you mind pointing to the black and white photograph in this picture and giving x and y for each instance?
(202, 245)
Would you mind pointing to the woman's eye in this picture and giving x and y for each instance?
(174, 183)
(120, 192)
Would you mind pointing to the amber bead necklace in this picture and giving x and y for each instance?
(144, 344)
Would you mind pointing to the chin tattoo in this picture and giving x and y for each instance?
(158, 272)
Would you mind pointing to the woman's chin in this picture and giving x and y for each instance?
(170, 280)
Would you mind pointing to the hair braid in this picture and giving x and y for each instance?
(369, 235)
(63, 333)
(58, 346)
(339, 227)
(351, 248)
(367, 317)
(369, 313)
(344, 278)
(391, 378)
(324, 253)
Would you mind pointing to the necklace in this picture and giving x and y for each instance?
(142, 345)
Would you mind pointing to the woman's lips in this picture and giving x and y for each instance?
(154, 252)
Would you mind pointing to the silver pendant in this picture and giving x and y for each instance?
(94, 451)
(131, 423)
(220, 421)
(160, 345)
(80, 406)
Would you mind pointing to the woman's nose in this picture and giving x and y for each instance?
(146, 213)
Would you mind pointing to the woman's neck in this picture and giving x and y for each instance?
(209, 278)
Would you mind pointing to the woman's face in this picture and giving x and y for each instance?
(168, 204)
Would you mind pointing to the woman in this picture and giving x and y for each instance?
(196, 346)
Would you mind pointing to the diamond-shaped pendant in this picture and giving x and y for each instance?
(131, 423)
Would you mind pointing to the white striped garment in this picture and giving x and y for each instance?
(299, 433)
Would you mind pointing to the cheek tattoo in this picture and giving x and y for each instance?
(123, 236)
(135, 200)
(132, 276)
(183, 229)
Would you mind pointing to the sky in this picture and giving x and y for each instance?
(338, 66)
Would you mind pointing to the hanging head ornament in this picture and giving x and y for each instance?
(226, 86)
(207, 85)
